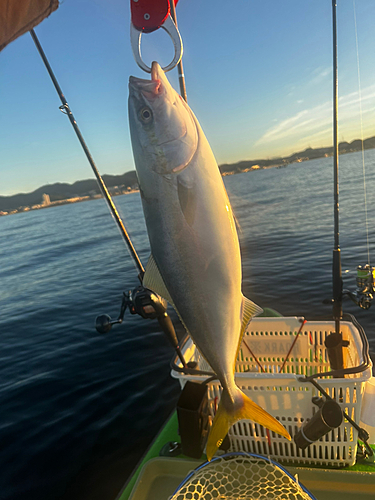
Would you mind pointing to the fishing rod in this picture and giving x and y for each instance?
(365, 279)
(66, 110)
(140, 300)
(336, 268)
(180, 69)
(363, 297)
(334, 342)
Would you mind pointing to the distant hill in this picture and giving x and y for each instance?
(89, 187)
(307, 154)
(63, 191)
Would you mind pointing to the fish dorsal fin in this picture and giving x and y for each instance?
(154, 281)
(249, 310)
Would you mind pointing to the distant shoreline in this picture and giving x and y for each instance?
(68, 201)
(63, 193)
(306, 155)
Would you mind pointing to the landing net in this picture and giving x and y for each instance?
(241, 476)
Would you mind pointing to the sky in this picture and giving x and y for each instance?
(258, 78)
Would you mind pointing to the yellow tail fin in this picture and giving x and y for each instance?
(224, 419)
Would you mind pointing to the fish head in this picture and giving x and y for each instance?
(162, 126)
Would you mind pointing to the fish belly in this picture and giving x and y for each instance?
(195, 246)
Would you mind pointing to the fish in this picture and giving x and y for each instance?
(195, 261)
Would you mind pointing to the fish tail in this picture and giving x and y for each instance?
(229, 412)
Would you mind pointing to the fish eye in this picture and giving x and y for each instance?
(146, 115)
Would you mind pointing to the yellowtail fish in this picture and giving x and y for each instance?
(195, 262)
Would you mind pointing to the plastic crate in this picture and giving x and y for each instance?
(283, 395)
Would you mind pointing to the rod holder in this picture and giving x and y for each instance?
(334, 344)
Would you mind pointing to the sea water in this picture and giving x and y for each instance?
(78, 409)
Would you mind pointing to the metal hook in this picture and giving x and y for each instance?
(168, 26)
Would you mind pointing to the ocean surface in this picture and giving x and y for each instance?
(78, 409)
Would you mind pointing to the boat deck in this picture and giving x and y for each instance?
(158, 477)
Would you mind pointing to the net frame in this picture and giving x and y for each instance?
(211, 481)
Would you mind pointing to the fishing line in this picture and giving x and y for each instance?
(361, 120)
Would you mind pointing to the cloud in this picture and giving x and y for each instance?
(319, 74)
(314, 122)
(303, 121)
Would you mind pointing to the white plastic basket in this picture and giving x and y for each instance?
(283, 395)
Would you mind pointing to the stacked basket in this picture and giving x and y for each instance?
(277, 382)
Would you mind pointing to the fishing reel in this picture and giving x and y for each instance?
(365, 287)
(140, 301)
(365, 292)
(147, 304)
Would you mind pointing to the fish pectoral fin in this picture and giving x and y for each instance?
(154, 280)
(226, 417)
(187, 196)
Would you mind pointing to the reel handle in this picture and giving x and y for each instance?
(104, 323)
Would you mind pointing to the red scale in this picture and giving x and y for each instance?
(149, 15)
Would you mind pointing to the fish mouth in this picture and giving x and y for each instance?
(155, 71)
(149, 88)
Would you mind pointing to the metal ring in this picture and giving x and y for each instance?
(168, 26)
(64, 109)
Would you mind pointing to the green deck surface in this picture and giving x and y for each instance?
(170, 433)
